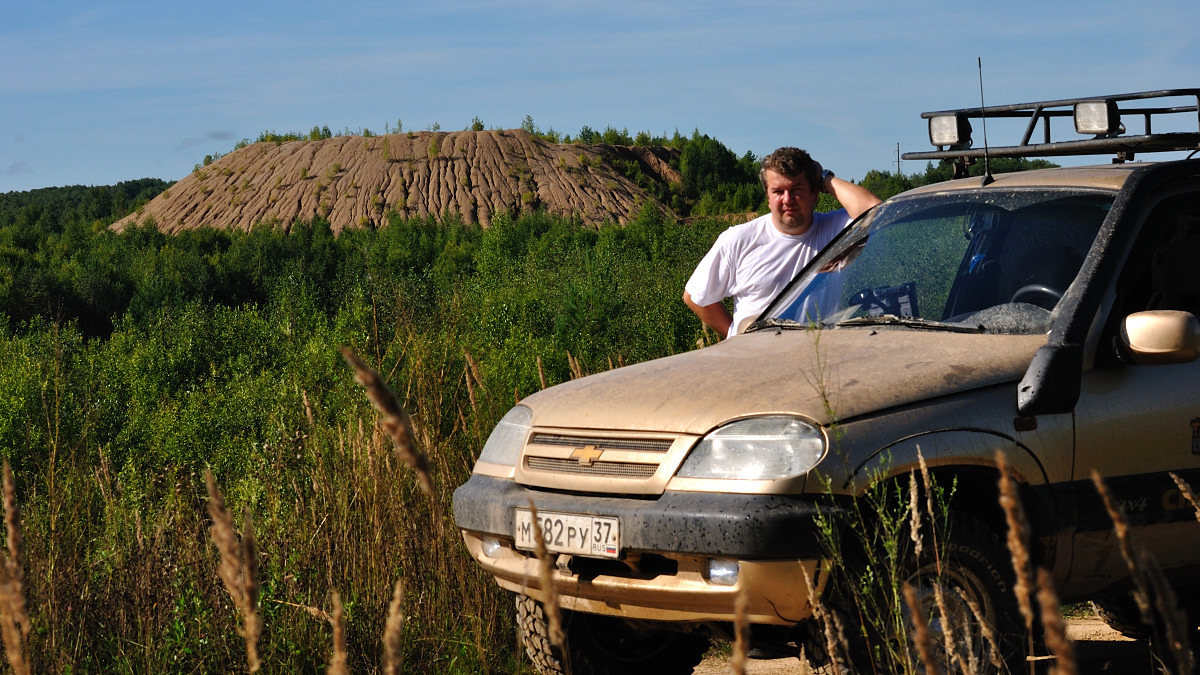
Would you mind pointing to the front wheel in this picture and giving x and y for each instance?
(604, 645)
(969, 565)
(983, 621)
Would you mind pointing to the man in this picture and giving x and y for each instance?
(753, 261)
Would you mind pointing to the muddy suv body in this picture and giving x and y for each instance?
(1046, 316)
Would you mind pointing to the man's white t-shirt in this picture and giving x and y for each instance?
(752, 262)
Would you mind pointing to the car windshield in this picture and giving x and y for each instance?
(979, 261)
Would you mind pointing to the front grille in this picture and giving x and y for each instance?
(602, 443)
(601, 468)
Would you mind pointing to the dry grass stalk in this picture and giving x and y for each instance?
(16, 557)
(314, 612)
(921, 638)
(395, 422)
(741, 634)
(1056, 629)
(14, 616)
(308, 411)
(1174, 619)
(576, 369)
(1125, 540)
(1018, 540)
(947, 623)
(541, 372)
(392, 631)
(835, 636)
(805, 667)
(337, 662)
(546, 576)
(1153, 594)
(473, 365)
(236, 570)
(827, 620)
(470, 388)
(989, 634)
(1150, 584)
(928, 499)
(1186, 491)
(914, 513)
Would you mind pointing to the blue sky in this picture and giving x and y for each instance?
(96, 93)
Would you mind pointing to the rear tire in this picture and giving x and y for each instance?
(604, 645)
(1122, 615)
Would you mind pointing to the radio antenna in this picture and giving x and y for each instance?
(987, 170)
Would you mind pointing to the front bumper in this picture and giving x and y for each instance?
(666, 543)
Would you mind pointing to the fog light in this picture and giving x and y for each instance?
(723, 572)
(491, 547)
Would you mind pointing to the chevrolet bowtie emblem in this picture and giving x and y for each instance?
(586, 455)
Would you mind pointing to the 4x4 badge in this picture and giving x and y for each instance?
(586, 455)
(1196, 436)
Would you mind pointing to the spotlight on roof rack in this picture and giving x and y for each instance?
(1098, 117)
(953, 130)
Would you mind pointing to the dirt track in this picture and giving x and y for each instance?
(1098, 649)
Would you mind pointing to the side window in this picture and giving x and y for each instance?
(1163, 271)
(1174, 277)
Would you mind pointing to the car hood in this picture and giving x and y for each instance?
(845, 372)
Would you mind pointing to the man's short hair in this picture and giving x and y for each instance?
(791, 162)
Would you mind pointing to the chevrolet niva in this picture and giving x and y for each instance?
(1047, 316)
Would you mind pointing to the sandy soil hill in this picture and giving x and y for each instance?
(354, 181)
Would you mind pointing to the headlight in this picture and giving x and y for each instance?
(507, 439)
(759, 448)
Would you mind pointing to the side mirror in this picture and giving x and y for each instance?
(1161, 336)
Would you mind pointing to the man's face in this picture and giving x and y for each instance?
(792, 201)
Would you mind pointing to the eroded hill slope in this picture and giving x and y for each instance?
(354, 181)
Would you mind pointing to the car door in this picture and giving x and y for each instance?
(1137, 424)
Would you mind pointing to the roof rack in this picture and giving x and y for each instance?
(1096, 116)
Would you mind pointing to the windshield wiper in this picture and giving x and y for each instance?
(779, 323)
(910, 322)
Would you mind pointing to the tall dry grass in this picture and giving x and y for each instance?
(396, 421)
(922, 640)
(337, 661)
(554, 622)
(1153, 594)
(392, 656)
(741, 634)
(238, 569)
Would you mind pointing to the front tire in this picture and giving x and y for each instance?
(977, 575)
(603, 645)
(975, 570)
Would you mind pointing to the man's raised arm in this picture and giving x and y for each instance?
(856, 199)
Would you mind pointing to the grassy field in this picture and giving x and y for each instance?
(137, 366)
(222, 354)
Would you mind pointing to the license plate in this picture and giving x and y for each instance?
(592, 536)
